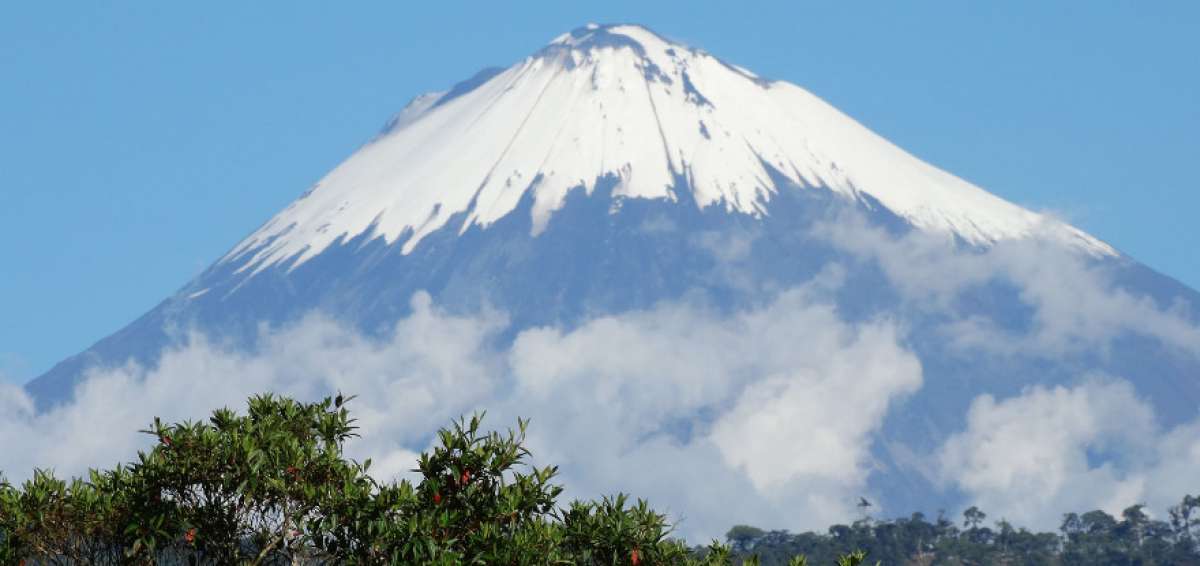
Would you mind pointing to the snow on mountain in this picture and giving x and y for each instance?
(621, 101)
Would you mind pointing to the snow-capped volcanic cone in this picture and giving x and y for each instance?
(659, 117)
(876, 318)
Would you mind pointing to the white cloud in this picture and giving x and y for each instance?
(432, 368)
(1174, 471)
(1077, 306)
(1032, 457)
(816, 422)
(780, 401)
(650, 403)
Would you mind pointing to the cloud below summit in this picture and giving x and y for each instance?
(1075, 302)
(756, 398)
(654, 403)
(770, 415)
(1095, 445)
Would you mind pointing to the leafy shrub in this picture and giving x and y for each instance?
(273, 486)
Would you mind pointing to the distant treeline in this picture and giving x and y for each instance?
(1093, 538)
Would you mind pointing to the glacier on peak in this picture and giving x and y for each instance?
(621, 101)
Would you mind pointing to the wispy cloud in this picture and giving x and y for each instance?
(1075, 301)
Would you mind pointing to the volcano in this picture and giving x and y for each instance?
(615, 171)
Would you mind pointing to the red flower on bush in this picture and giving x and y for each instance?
(437, 498)
(633, 557)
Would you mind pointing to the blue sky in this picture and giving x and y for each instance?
(138, 143)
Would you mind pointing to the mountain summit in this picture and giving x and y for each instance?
(620, 101)
(697, 269)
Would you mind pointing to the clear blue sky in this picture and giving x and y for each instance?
(139, 142)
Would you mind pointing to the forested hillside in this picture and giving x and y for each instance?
(1094, 538)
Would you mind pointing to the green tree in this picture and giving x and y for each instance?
(742, 537)
(274, 487)
(973, 517)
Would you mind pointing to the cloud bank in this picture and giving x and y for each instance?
(719, 418)
(770, 415)
(1096, 445)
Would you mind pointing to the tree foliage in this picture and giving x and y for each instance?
(273, 486)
